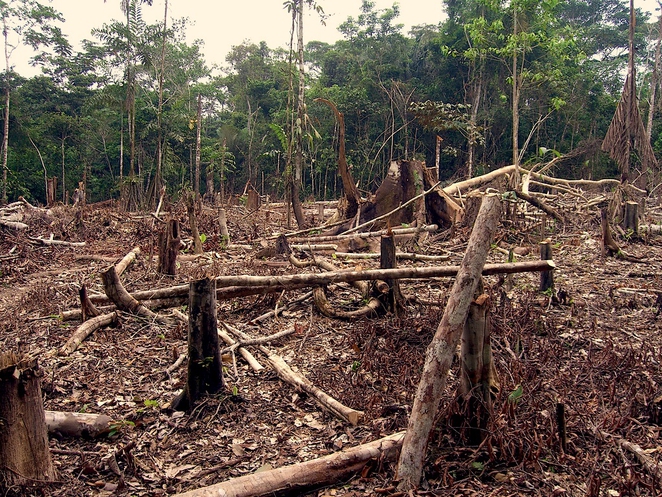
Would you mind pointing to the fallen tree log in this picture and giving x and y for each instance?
(294, 479)
(86, 329)
(77, 424)
(302, 384)
(121, 298)
(366, 234)
(378, 274)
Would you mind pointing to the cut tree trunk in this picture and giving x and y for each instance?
(205, 369)
(441, 350)
(394, 298)
(24, 454)
(479, 383)
(121, 266)
(191, 209)
(294, 479)
(169, 243)
(546, 277)
(87, 308)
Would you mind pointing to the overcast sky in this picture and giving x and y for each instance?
(224, 23)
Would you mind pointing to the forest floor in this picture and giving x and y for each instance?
(595, 346)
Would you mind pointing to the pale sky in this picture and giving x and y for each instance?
(224, 23)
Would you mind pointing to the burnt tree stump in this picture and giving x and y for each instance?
(24, 455)
(205, 369)
(388, 261)
(546, 277)
(169, 243)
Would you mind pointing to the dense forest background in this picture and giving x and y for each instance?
(123, 112)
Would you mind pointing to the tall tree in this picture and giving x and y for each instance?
(31, 23)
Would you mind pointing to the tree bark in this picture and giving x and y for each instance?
(294, 479)
(388, 261)
(440, 352)
(205, 369)
(24, 454)
(120, 297)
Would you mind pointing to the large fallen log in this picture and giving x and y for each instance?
(293, 479)
(364, 234)
(314, 279)
(242, 286)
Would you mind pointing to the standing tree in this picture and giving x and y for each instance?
(31, 23)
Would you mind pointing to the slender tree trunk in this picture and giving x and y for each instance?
(300, 124)
(441, 350)
(516, 94)
(5, 136)
(159, 114)
(655, 81)
(64, 188)
(197, 146)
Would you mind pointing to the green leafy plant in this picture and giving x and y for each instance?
(355, 366)
(117, 427)
(149, 403)
(515, 396)
(203, 238)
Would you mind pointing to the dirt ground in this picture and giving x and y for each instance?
(594, 346)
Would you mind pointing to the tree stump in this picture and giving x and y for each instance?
(223, 225)
(192, 207)
(387, 261)
(631, 219)
(478, 378)
(546, 277)
(205, 369)
(169, 243)
(24, 455)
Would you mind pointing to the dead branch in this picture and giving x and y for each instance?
(293, 479)
(366, 234)
(541, 205)
(86, 329)
(258, 341)
(302, 384)
(121, 266)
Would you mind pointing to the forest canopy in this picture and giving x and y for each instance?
(124, 109)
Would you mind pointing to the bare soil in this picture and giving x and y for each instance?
(593, 345)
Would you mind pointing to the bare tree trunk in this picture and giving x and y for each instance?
(24, 454)
(5, 136)
(159, 113)
(655, 81)
(441, 350)
(197, 146)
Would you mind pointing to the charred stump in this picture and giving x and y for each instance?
(205, 369)
(24, 455)
(169, 243)
(393, 296)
